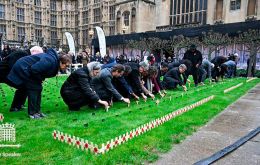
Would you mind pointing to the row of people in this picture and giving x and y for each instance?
(97, 84)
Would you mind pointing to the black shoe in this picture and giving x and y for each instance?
(34, 116)
(15, 109)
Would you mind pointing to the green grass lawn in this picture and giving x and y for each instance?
(98, 126)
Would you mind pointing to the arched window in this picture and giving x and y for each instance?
(118, 21)
(126, 18)
(133, 20)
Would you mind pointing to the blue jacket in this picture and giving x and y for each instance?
(32, 70)
(230, 63)
(109, 64)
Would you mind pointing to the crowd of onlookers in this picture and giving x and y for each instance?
(103, 80)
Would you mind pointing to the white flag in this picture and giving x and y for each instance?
(71, 43)
(102, 41)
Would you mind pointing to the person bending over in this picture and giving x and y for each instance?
(28, 74)
(103, 84)
(173, 77)
(77, 90)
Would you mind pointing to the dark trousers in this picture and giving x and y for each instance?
(34, 98)
(169, 83)
(74, 100)
(20, 94)
(34, 101)
(195, 74)
(19, 99)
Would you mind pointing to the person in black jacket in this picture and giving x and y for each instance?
(173, 77)
(77, 90)
(103, 84)
(195, 57)
(5, 52)
(134, 78)
(29, 72)
(122, 85)
(6, 66)
(217, 72)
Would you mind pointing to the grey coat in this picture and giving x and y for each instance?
(103, 85)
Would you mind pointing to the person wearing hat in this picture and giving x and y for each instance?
(195, 57)
(173, 78)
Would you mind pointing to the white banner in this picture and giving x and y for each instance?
(102, 41)
(71, 43)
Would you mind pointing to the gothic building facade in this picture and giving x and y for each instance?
(45, 22)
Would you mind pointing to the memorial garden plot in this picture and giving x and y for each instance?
(98, 126)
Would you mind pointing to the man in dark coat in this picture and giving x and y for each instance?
(216, 72)
(29, 72)
(7, 64)
(77, 90)
(122, 85)
(103, 84)
(173, 77)
(119, 82)
(5, 52)
(134, 77)
(195, 57)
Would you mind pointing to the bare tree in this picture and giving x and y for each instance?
(176, 43)
(251, 40)
(147, 44)
(215, 41)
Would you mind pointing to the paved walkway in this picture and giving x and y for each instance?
(230, 125)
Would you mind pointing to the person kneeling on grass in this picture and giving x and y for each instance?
(103, 84)
(77, 90)
(173, 77)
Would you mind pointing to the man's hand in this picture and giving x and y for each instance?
(135, 96)
(184, 88)
(126, 100)
(105, 103)
(197, 65)
(143, 96)
(151, 95)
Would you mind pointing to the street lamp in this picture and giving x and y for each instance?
(124, 29)
(91, 34)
